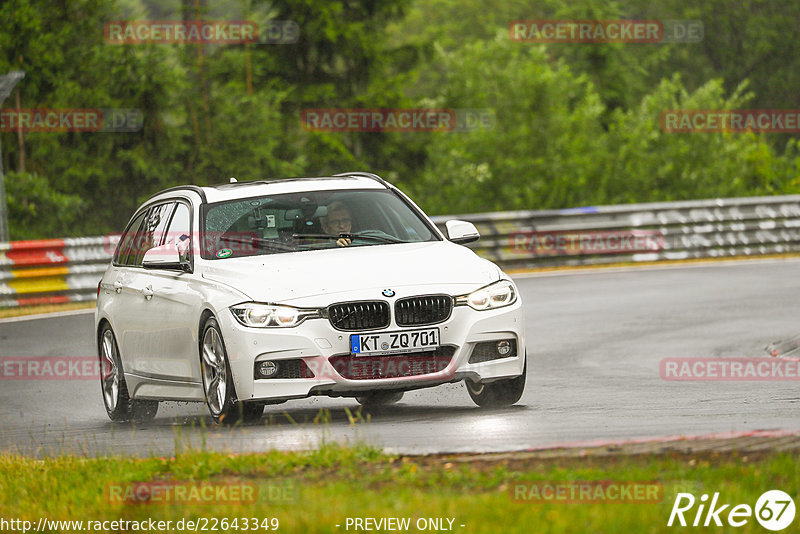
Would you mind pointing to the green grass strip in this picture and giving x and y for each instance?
(317, 490)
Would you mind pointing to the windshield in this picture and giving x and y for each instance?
(310, 221)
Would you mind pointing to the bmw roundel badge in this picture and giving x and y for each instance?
(388, 293)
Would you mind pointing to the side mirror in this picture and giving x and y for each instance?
(461, 232)
(164, 257)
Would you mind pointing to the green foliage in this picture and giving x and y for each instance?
(539, 151)
(576, 124)
(36, 210)
(652, 165)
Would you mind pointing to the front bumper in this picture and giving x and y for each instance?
(316, 342)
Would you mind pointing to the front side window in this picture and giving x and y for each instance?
(152, 231)
(179, 232)
(310, 221)
(147, 230)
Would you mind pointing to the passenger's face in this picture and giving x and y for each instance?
(337, 222)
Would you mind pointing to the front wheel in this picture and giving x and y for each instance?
(119, 405)
(218, 381)
(499, 393)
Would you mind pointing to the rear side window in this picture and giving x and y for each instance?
(127, 244)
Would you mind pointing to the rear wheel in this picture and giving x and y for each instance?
(119, 405)
(218, 381)
(380, 398)
(499, 393)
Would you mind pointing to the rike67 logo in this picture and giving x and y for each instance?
(774, 510)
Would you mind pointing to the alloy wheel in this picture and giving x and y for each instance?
(215, 372)
(110, 372)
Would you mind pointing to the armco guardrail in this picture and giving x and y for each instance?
(638, 232)
(53, 271)
(67, 270)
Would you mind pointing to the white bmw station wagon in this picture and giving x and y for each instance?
(252, 293)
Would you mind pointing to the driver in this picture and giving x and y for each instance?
(337, 222)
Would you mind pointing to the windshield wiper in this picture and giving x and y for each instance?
(358, 235)
(261, 243)
(314, 236)
(385, 238)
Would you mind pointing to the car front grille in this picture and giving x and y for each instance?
(378, 367)
(353, 316)
(423, 310)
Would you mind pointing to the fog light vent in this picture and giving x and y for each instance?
(294, 368)
(493, 350)
(266, 369)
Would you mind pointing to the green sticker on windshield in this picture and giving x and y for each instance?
(224, 252)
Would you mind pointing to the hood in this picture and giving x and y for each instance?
(283, 278)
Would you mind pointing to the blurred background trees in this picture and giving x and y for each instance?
(574, 124)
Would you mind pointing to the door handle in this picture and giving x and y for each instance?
(118, 286)
(148, 292)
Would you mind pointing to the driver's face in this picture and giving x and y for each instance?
(337, 222)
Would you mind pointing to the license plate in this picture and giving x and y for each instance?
(395, 342)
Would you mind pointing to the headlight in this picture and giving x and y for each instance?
(493, 296)
(272, 316)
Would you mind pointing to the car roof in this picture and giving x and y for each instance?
(234, 190)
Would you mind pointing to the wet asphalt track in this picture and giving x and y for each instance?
(595, 340)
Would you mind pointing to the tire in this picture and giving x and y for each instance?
(500, 393)
(380, 398)
(218, 386)
(119, 405)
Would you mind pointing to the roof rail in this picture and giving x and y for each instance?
(365, 175)
(192, 188)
